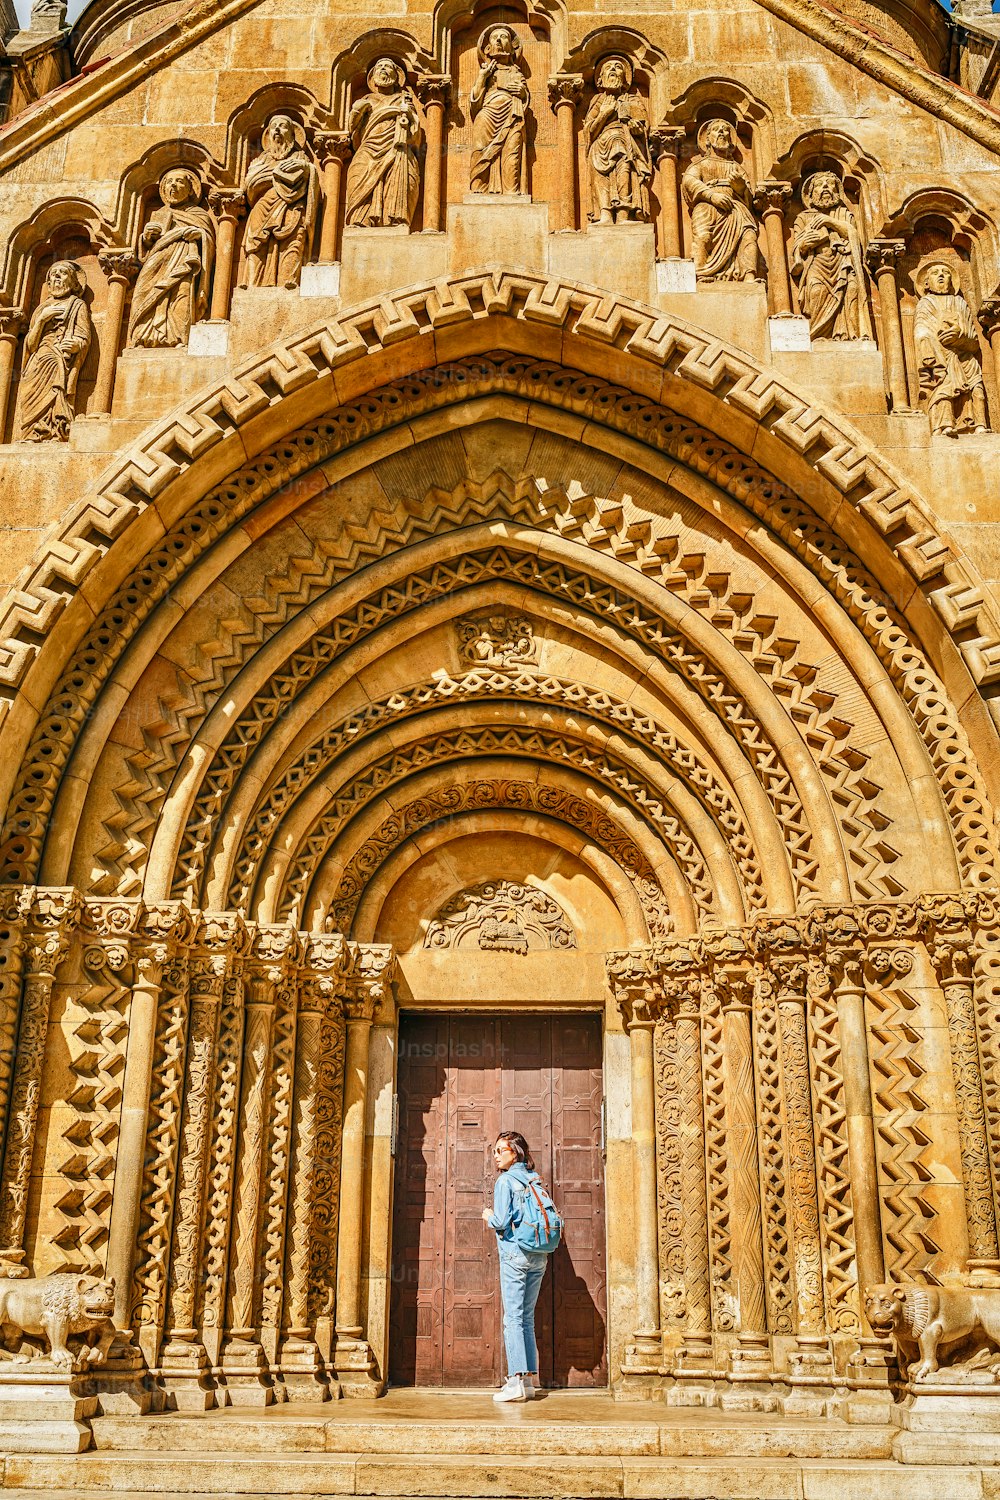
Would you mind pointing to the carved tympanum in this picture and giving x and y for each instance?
(383, 180)
(282, 189)
(828, 262)
(501, 916)
(55, 348)
(504, 642)
(959, 1325)
(499, 105)
(56, 1309)
(717, 191)
(948, 356)
(616, 136)
(178, 245)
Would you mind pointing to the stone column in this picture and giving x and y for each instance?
(301, 1364)
(845, 960)
(352, 1356)
(433, 90)
(882, 258)
(667, 141)
(243, 1362)
(770, 199)
(136, 1086)
(989, 321)
(228, 205)
(736, 991)
(565, 90)
(696, 1353)
(950, 944)
(11, 320)
(333, 147)
(184, 1359)
(119, 266)
(52, 918)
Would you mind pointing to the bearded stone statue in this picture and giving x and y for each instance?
(282, 189)
(717, 190)
(178, 245)
(55, 347)
(828, 263)
(948, 355)
(498, 104)
(616, 138)
(383, 180)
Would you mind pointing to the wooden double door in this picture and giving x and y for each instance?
(461, 1080)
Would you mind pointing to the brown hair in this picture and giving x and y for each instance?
(519, 1145)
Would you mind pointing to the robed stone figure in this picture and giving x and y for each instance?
(55, 347)
(178, 246)
(717, 191)
(948, 353)
(383, 180)
(616, 138)
(498, 104)
(282, 189)
(828, 263)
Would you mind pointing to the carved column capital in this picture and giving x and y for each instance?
(946, 927)
(888, 965)
(228, 203)
(636, 984)
(331, 145)
(434, 89)
(883, 255)
(681, 975)
(666, 140)
(11, 322)
(989, 316)
(730, 968)
(118, 265)
(771, 196)
(565, 88)
(369, 984)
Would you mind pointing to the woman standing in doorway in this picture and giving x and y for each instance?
(521, 1271)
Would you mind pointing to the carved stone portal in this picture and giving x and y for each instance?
(501, 917)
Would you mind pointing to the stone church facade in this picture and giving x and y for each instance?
(501, 623)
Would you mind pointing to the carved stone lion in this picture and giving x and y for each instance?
(932, 1319)
(57, 1308)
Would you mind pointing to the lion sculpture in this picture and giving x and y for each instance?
(963, 1321)
(57, 1308)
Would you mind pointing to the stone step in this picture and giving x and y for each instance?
(524, 1432)
(478, 1477)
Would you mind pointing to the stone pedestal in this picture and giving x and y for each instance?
(373, 259)
(869, 1375)
(676, 275)
(751, 1384)
(619, 256)
(186, 1376)
(940, 1404)
(488, 231)
(320, 280)
(44, 1409)
(723, 307)
(302, 1373)
(812, 1377)
(788, 334)
(209, 339)
(122, 1384)
(357, 1372)
(246, 1374)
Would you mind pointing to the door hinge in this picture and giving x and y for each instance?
(604, 1129)
(394, 1126)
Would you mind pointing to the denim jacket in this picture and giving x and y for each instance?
(507, 1199)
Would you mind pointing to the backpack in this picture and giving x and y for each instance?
(538, 1227)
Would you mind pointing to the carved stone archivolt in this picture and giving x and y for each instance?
(500, 917)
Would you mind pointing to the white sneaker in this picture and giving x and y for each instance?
(514, 1390)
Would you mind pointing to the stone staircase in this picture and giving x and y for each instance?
(568, 1447)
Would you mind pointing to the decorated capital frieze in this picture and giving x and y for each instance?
(635, 980)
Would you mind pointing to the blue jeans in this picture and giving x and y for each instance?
(521, 1273)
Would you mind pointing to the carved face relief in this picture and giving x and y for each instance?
(718, 138)
(613, 75)
(279, 136)
(385, 76)
(97, 1298)
(177, 188)
(939, 279)
(501, 44)
(825, 191)
(62, 279)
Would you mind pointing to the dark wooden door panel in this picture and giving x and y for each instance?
(461, 1080)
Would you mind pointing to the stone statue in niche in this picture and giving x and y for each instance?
(55, 347)
(616, 138)
(957, 1324)
(383, 180)
(948, 356)
(178, 247)
(282, 188)
(717, 190)
(828, 262)
(498, 104)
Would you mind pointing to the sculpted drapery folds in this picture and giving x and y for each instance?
(948, 355)
(616, 137)
(717, 190)
(178, 245)
(828, 262)
(55, 347)
(383, 180)
(282, 188)
(499, 104)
